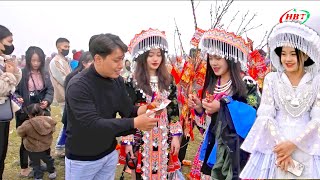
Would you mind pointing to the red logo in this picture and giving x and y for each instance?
(295, 15)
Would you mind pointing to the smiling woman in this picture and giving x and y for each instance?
(286, 131)
(152, 84)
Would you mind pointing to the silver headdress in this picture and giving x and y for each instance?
(225, 44)
(146, 40)
(304, 37)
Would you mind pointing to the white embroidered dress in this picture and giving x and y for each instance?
(285, 113)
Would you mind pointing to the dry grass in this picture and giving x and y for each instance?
(12, 167)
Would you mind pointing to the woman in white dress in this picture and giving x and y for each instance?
(287, 127)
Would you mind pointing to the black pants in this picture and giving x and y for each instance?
(183, 150)
(23, 156)
(23, 152)
(45, 156)
(4, 136)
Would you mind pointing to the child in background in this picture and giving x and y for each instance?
(37, 138)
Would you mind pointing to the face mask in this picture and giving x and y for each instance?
(65, 52)
(8, 49)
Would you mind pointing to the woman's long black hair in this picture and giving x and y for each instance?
(29, 53)
(238, 86)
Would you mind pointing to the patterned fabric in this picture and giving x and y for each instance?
(155, 145)
(285, 113)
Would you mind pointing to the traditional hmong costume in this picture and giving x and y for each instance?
(227, 128)
(288, 112)
(153, 147)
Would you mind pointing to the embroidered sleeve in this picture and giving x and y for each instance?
(264, 134)
(309, 140)
(173, 112)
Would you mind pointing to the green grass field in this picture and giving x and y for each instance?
(12, 167)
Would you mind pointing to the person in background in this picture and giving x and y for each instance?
(36, 133)
(59, 68)
(10, 76)
(47, 63)
(126, 72)
(34, 87)
(75, 61)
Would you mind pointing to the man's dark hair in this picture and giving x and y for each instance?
(4, 32)
(62, 40)
(104, 44)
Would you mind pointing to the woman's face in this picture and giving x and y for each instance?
(218, 64)
(154, 59)
(289, 59)
(5, 42)
(35, 62)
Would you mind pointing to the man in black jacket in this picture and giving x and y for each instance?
(93, 98)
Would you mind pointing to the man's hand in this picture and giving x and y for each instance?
(144, 122)
(143, 109)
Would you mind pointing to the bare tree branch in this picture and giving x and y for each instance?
(242, 20)
(254, 27)
(179, 36)
(222, 13)
(263, 46)
(194, 15)
(242, 30)
(197, 5)
(234, 17)
(211, 17)
(265, 35)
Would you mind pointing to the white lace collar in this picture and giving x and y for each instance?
(307, 77)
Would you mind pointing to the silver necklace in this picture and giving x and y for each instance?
(222, 88)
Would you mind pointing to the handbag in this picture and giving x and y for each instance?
(6, 113)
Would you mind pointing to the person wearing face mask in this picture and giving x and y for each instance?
(127, 70)
(59, 68)
(10, 76)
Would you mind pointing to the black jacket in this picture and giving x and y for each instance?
(22, 90)
(66, 81)
(92, 103)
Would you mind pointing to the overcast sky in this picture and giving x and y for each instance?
(40, 23)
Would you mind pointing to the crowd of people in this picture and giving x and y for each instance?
(251, 128)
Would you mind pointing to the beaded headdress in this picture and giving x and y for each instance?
(225, 44)
(146, 40)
